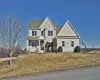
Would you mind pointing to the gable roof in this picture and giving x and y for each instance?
(35, 24)
(72, 28)
(45, 21)
(58, 29)
(32, 38)
(52, 22)
(65, 30)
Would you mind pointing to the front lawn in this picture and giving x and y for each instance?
(34, 64)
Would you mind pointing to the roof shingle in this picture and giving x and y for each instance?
(35, 24)
(58, 29)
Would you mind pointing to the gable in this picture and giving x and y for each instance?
(47, 24)
(68, 30)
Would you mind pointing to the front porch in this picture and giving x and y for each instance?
(36, 44)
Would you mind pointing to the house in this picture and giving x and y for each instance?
(42, 31)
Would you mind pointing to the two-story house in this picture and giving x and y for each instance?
(41, 31)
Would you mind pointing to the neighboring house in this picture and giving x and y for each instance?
(41, 31)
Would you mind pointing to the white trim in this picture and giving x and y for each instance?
(71, 27)
(41, 38)
(47, 18)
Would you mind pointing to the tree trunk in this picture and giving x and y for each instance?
(10, 61)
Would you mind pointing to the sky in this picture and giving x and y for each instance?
(84, 15)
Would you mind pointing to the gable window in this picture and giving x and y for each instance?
(63, 43)
(42, 33)
(34, 33)
(72, 43)
(50, 33)
(33, 43)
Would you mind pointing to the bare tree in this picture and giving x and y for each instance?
(11, 34)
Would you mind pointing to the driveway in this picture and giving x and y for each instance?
(92, 73)
(5, 59)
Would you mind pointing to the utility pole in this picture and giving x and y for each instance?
(84, 45)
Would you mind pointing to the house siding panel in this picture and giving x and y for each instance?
(68, 47)
(38, 33)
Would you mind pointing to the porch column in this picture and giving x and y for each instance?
(27, 44)
(39, 46)
(44, 46)
(41, 38)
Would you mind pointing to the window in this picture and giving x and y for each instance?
(42, 33)
(33, 43)
(50, 33)
(72, 43)
(34, 33)
(63, 43)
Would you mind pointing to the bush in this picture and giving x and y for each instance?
(77, 49)
(60, 49)
(54, 45)
(56, 50)
(47, 47)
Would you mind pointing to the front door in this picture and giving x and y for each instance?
(42, 45)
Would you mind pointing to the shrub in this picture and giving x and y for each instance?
(54, 45)
(77, 49)
(60, 49)
(47, 47)
(56, 50)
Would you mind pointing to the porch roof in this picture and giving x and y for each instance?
(32, 38)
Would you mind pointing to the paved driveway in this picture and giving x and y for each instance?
(92, 73)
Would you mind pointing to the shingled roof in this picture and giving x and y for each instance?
(58, 29)
(32, 38)
(35, 24)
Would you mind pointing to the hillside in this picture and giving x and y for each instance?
(33, 64)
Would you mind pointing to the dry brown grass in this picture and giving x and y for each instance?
(42, 63)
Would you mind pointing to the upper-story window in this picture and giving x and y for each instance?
(42, 33)
(50, 33)
(63, 43)
(72, 43)
(34, 33)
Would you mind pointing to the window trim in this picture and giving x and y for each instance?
(63, 43)
(42, 33)
(33, 44)
(50, 33)
(72, 43)
(34, 33)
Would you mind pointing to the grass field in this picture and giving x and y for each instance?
(34, 64)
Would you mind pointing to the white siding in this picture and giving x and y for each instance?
(49, 38)
(66, 31)
(48, 26)
(38, 33)
(30, 47)
(68, 47)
